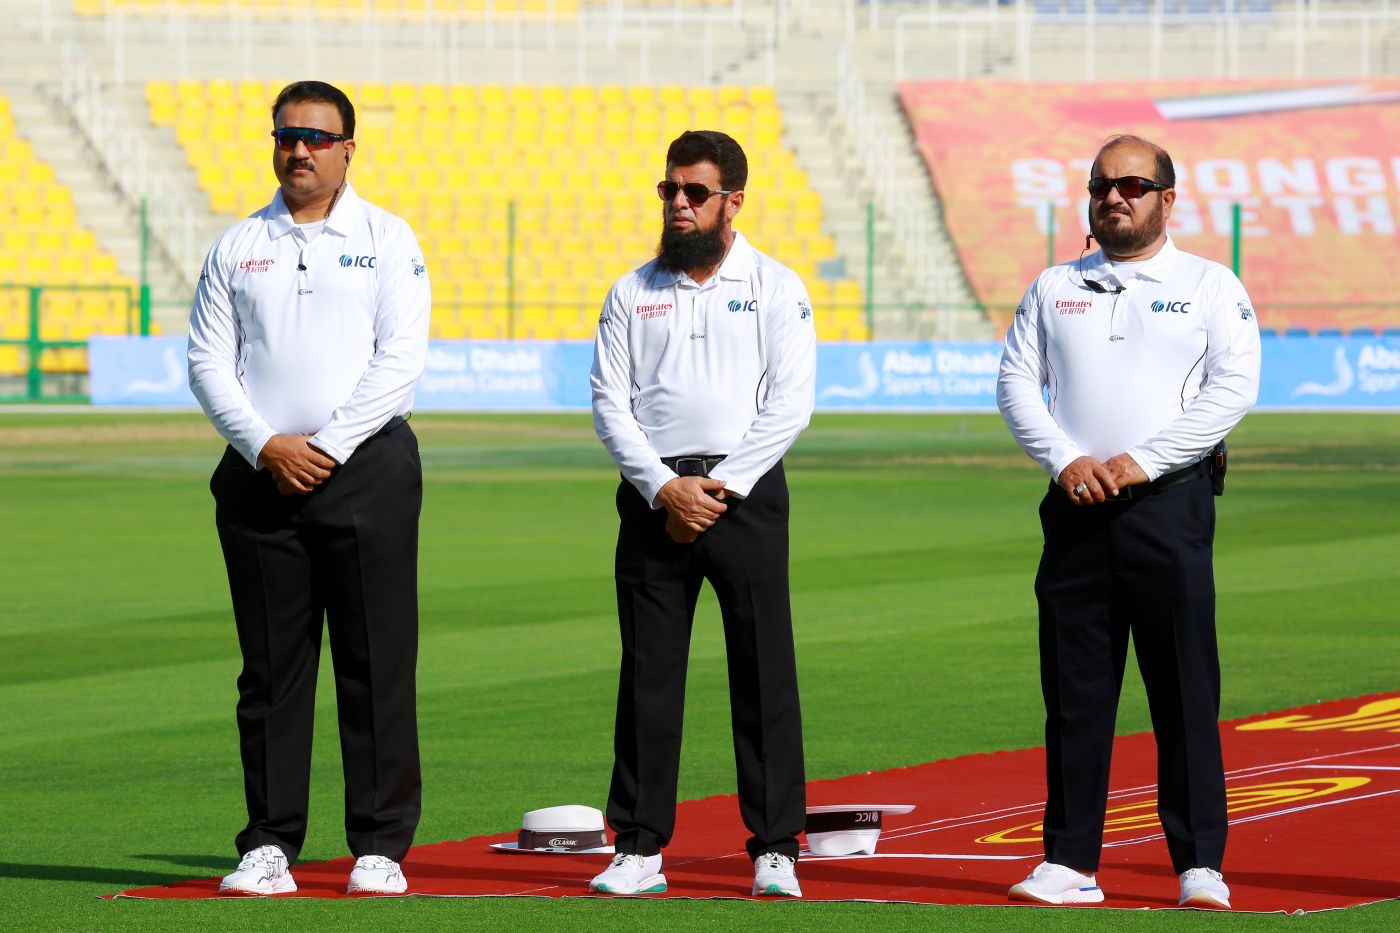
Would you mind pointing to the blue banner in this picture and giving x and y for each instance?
(1299, 373)
(907, 376)
(139, 371)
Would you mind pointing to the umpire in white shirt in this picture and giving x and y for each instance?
(309, 331)
(1122, 372)
(703, 376)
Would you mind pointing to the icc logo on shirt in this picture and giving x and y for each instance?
(359, 262)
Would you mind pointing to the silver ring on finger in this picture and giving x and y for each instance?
(1081, 489)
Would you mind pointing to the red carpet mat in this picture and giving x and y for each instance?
(1311, 792)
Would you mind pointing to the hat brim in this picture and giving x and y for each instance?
(513, 848)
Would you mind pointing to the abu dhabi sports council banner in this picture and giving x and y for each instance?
(1298, 373)
(1315, 167)
(478, 375)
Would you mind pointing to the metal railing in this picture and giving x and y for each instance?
(1021, 40)
(165, 214)
(601, 42)
(34, 345)
(908, 217)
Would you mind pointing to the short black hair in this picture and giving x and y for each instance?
(1164, 169)
(318, 92)
(694, 146)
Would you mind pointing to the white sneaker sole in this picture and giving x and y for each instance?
(1073, 896)
(367, 890)
(776, 890)
(1203, 901)
(656, 884)
(285, 886)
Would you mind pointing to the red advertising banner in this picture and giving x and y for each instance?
(1314, 167)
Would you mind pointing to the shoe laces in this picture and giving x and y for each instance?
(629, 860)
(1053, 868)
(261, 857)
(1202, 874)
(376, 863)
(775, 861)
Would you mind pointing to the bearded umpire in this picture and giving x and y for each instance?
(308, 334)
(703, 376)
(1122, 373)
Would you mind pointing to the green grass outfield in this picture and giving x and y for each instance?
(914, 543)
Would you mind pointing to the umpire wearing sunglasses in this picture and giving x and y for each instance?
(703, 377)
(1122, 373)
(308, 334)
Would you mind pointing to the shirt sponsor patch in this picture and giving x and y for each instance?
(419, 270)
(1073, 307)
(1020, 311)
(804, 309)
(1246, 312)
(359, 262)
(257, 265)
(736, 306)
(1171, 307)
(649, 311)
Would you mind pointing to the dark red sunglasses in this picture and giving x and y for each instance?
(315, 140)
(1129, 186)
(696, 193)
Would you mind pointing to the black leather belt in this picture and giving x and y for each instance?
(695, 465)
(394, 422)
(1142, 490)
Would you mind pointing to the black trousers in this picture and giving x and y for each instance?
(1143, 567)
(745, 558)
(347, 552)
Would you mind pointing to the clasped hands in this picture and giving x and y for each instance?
(1101, 481)
(692, 504)
(295, 465)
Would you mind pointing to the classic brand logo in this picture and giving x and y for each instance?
(736, 305)
(563, 842)
(647, 311)
(359, 262)
(1073, 307)
(257, 265)
(1172, 307)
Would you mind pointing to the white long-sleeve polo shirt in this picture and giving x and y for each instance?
(326, 338)
(727, 367)
(1161, 365)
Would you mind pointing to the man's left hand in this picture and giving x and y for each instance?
(679, 531)
(1126, 471)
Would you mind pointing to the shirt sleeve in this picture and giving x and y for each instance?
(613, 420)
(1229, 387)
(401, 319)
(1021, 389)
(213, 355)
(791, 361)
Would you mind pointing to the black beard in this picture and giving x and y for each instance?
(680, 251)
(1127, 240)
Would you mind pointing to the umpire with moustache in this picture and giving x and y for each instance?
(308, 334)
(1122, 373)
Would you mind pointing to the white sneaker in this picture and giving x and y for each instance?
(1057, 884)
(376, 874)
(775, 874)
(1204, 887)
(262, 871)
(630, 873)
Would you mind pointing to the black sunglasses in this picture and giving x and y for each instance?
(696, 193)
(315, 140)
(1129, 186)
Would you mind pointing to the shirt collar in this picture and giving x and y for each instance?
(348, 209)
(1096, 267)
(737, 266)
